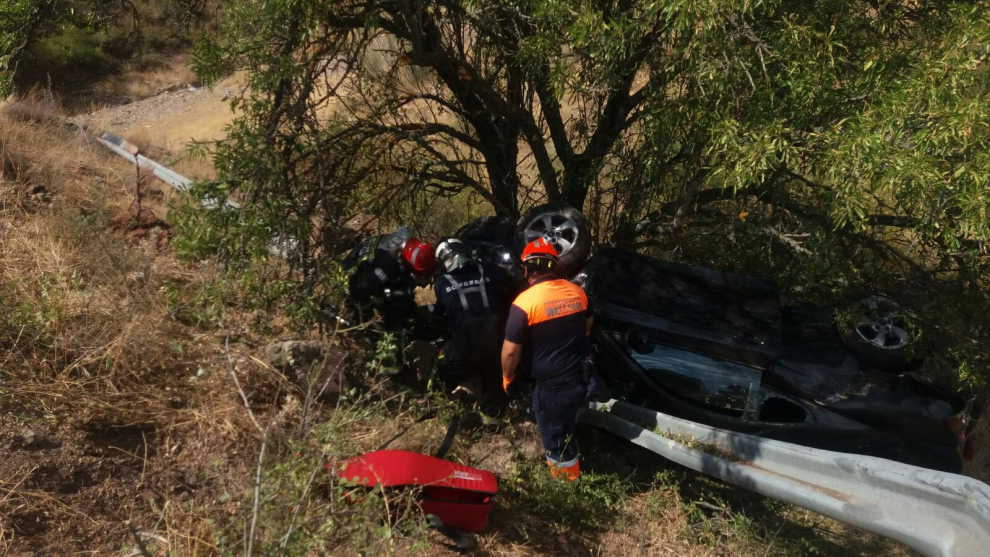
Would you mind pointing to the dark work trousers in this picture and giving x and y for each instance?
(556, 417)
(475, 348)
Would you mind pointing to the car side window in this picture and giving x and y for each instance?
(724, 387)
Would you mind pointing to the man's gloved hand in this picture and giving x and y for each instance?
(506, 381)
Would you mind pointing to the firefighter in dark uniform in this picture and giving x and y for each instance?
(552, 320)
(473, 298)
(384, 272)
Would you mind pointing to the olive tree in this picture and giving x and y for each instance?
(634, 101)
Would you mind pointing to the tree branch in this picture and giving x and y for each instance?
(432, 128)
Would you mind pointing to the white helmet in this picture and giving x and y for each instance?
(452, 254)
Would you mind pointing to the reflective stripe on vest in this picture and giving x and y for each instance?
(462, 292)
(368, 252)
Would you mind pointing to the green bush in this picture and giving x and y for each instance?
(72, 51)
(204, 308)
(591, 502)
(24, 323)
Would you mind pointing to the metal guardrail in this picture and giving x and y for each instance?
(131, 152)
(935, 513)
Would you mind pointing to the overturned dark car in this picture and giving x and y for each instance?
(722, 350)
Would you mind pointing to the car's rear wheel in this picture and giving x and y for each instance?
(564, 227)
(878, 335)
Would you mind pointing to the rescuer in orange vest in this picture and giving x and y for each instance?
(552, 318)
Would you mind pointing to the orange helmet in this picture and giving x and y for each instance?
(541, 253)
(420, 258)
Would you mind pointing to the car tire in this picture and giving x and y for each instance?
(565, 227)
(876, 336)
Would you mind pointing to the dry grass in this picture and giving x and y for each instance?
(106, 409)
(145, 81)
(205, 120)
(112, 410)
(164, 125)
(85, 303)
(55, 160)
(166, 141)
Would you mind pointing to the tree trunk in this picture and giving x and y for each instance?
(501, 164)
(577, 177)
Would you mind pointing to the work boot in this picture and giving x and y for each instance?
(461, 394)
(570, 474)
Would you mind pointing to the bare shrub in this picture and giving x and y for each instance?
(39, 105)
(145, 79)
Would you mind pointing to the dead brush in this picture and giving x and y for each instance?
(39, 154)
(88, 349)
(78, 306)
(40, 151)
(297, 504)
(39, 106)
(80, 311)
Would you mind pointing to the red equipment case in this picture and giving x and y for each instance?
(460, 496)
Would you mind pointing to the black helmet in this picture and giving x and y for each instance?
(452, 254)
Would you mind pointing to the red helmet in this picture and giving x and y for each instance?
(420, 258)
(542, 253)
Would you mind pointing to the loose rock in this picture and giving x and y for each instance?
(309, 364)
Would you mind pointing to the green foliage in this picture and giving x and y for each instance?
(663, 493)
(307, 278)
(200, 236)
(591, 502)
(18, 19)
(72, 50)
(204, 308)
(60, 42)
(385, 354)
(39, 37)
(26, 324)
(243, 240)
